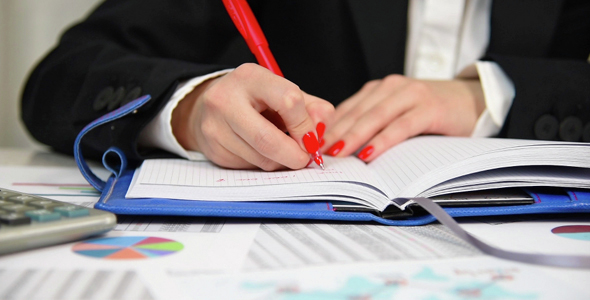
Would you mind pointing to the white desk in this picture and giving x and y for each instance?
(231, 259)
(30, 157)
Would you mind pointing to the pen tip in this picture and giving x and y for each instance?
(322, 165)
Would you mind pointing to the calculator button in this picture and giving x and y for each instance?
(42, 215)
(4, 194)
(45, 204)
(4, 202)
(22, 199)
(14, 219)
(17, 208)
(71, 211)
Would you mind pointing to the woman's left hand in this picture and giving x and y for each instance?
(388, 111)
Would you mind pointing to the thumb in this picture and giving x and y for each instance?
(321, 113)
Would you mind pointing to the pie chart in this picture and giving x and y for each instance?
(576, 232)
(128, 247)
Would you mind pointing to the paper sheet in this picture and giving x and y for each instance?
(59, 183)
(207, 252)
(217, 261)
(472, 278)
(218, 247)
(436, 159)
(287, 245)
(180, 172)
(188, 180)
(533, 233)
(58, 283)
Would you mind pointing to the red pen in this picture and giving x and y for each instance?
(248, 26)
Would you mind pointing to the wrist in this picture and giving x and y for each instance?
(474, 90)
(184, 116)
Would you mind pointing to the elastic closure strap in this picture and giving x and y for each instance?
(122, 111)
(120, 162)
(554, 260)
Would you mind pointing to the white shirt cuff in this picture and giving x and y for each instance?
(499, 93)
(158, 133)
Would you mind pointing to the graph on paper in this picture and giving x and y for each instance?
(130, 247)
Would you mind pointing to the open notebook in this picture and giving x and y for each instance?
(420, 166)
(425, 166)
(350, 190)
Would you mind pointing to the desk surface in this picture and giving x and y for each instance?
(232, 259)
(31, 157)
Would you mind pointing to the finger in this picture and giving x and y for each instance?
(348, 104)
(292, 108)
(319, 109)
(372, 94)
(237, 146)
(221, 156)
(213, 132)
(266, 139)
(274, 118)
(281, 96)
(375, 120)
(321, 112)
(334, 141)
(343, 117)
(410, 124)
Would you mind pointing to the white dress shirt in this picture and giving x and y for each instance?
(445, 40)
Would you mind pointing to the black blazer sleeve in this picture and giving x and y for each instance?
(123, 50)
(127, 48)
(130, 47)
(552, 100)
(544, 47)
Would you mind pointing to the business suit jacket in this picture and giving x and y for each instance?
(329, 48)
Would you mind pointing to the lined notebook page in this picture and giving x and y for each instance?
(516, 177)
(180, 172)
(402, 165)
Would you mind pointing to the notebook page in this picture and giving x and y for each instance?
(190, 180)
(518, 177)
(206, 174)
(405, 163)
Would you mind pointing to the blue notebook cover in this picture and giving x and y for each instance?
(114, 190)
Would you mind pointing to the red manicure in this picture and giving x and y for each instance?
(366, 152)
(320, 128)
(311, 142)
(335, 149)
(313, 147)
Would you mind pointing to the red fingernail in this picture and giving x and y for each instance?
(313, 147)
(322, 142)
(311, 143)
(365, 153)
(320, 128)
(335, 149)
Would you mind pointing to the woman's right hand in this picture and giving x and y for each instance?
(239, 120)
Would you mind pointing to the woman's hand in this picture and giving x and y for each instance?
(386, 112)
(239, 120)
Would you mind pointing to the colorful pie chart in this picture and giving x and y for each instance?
(128, 247)
(576, 232)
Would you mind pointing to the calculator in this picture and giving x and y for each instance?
(30, 221)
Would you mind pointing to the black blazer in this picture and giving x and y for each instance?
(126, 48)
